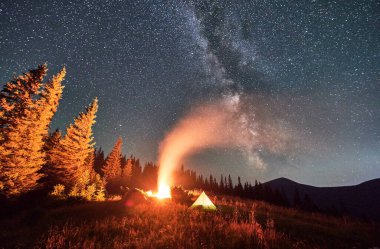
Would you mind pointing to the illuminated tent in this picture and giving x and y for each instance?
(204, 202)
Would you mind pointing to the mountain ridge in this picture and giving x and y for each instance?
(361, 200)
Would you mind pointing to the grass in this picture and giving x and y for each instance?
(236, 224)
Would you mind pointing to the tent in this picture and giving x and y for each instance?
(134, 197)
(204, 202)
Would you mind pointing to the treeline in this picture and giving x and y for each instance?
(129, 173)
(257, 191)
(146, 178)
(225, 186)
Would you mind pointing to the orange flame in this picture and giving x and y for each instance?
(163, 192)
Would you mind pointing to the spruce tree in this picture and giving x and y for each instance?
(46, 108)
(26, 109)
(221, 184)
(71, 158)
(112, 167)
(123, 163)
(239, 187)
(127, 171)
(51, 142)
(99, 160)
(230, 186)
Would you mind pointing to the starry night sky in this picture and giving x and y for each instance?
(313, 65)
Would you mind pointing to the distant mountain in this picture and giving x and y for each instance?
(362, 200)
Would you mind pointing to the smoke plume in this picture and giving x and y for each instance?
(231, 122)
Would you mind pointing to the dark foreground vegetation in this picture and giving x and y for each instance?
(167, 224)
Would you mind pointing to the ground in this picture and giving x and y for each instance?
(165, 224)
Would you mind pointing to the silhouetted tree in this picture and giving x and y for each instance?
(149, 176)
(123, 163)
(239, 187)
(230, 185)
(136, 172)
(221, 184)
(99, 160)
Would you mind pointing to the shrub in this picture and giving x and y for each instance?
(59, 191)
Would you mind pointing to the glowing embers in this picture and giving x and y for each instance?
(163, 192)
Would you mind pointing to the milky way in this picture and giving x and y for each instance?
(313, 67)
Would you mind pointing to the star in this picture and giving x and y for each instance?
(309, 69)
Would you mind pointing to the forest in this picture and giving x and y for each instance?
(67, 164)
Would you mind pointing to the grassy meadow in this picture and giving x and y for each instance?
(166, 224)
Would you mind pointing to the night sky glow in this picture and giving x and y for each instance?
(306, 70)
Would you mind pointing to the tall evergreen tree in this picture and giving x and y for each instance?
(136, 172)
(123, 163)
(99, 160)
(26, 109)
(239, 187)
(221, 184)
(112, 167)
(211, 182)
(127, 171)
(51, 142)
(230, 186)
(71, 157)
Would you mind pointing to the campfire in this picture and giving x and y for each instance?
(162, 193)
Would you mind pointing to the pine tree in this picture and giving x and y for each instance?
(127, 171)
(112, 167)
(90, 161)
(136, 172)
(123, 163)
(51, 142)
(99, 160)
(211, 182)
(230, 186)
(221, 184)
(239, 187)
(26, 109)
(71, 157)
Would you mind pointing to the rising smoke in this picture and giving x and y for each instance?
(230, 122)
